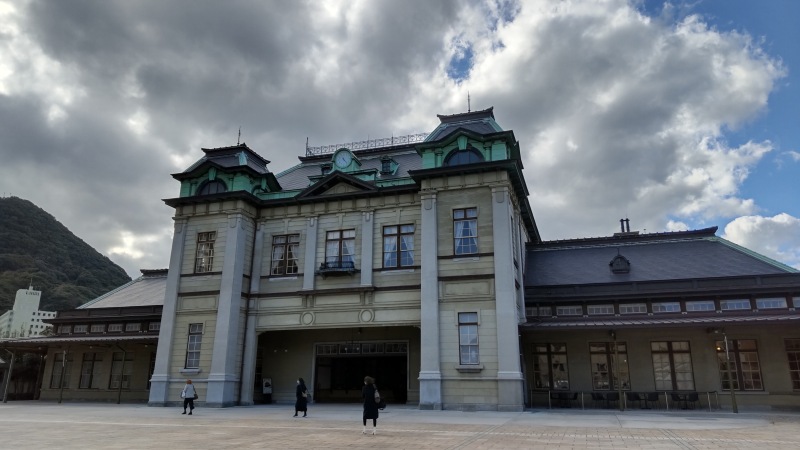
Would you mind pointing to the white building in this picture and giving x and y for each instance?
(25, 319)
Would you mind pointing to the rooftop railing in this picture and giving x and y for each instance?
(368, 144)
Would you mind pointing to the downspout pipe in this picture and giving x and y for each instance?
(8, 377)
(121, 371)
(63, 372)
(247, 304)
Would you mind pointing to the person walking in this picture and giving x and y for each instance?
(370, 405)
(188, 394)
(302, 398)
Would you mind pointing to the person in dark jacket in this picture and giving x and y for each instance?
(302, 398)
(370, 407)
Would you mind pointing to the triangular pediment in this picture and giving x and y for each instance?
(337, 183)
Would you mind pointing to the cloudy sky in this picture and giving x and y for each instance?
(677, 116)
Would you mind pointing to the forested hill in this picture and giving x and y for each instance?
(35, 246)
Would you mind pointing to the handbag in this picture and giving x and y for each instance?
(377, 395)
(305, 394)
(382, 405)
(196, 396)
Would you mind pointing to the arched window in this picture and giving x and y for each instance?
(212, 187)
(461, 157)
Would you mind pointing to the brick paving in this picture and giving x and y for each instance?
(83, 425)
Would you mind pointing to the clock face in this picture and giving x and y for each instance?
(343, 159)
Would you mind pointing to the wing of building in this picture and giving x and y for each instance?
(416, 260)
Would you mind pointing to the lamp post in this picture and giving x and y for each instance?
(734, 406)
(621, 401)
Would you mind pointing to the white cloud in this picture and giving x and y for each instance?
(618, 115)
(777, 237)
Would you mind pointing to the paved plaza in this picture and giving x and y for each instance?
(38, 425)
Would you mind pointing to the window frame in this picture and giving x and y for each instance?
(194, 344)
(672, 353)
(290, 248)
(665, 307)
(564, 310)
(204, 253)
(769, 302)
(608, 357)
(60, 365)
(600, 310)
(338, 260)
(734, 304)
(641, 308)
(695, 306)
(468, 338)
(741, 377)
(792, 347)
(400, 234)
(550, 352)
(121, 368)
(90, 361)
(459, 249)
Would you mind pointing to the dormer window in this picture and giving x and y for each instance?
(620, 264)
(386, 166)
(212, 187)
(326, 169)
(461, 157)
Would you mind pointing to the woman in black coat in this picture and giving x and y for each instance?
(302, 401)
(370, 407)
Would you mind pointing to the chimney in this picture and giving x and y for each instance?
(627, 225)
(622, 225)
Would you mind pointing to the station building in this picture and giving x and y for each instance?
(417, 261)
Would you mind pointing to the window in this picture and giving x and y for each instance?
(90, 371)
(636, 308)
(771, 303)
(573, 310)
(672, 366)
(121, 369)
(540, 311)
(459, 157)
(133, 326)
(340, 246)
(97, 328)
(663, 307)
(730, 305)
(284, 254)
(212, 187)
(64, 329)
(193, 345)
(468, 338)
(154, 326)
(115, 327)
(386, 166)
(600, 309)
(398, 246)
(81, 329)
(204, 260)
(465, 231)
(745, 368)
(793, 354)
(702, 305)
(550, 370)
(605, 373)
(60, 366)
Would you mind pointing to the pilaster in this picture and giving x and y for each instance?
(430, 376)
(224, 376)
(509, 374)
(310, 257)
(249, 353)
(367, 232)
(159, 382)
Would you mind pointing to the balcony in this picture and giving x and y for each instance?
(336, 268)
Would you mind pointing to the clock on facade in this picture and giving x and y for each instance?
(343, 159)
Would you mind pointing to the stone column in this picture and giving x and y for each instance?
(367, 233)
(250, 354)
(310, 257)
(430, 375)
(509, 374)
(224, 377)
(159, 383)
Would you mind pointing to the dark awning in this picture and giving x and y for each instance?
(42, 343)
(649, 322)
